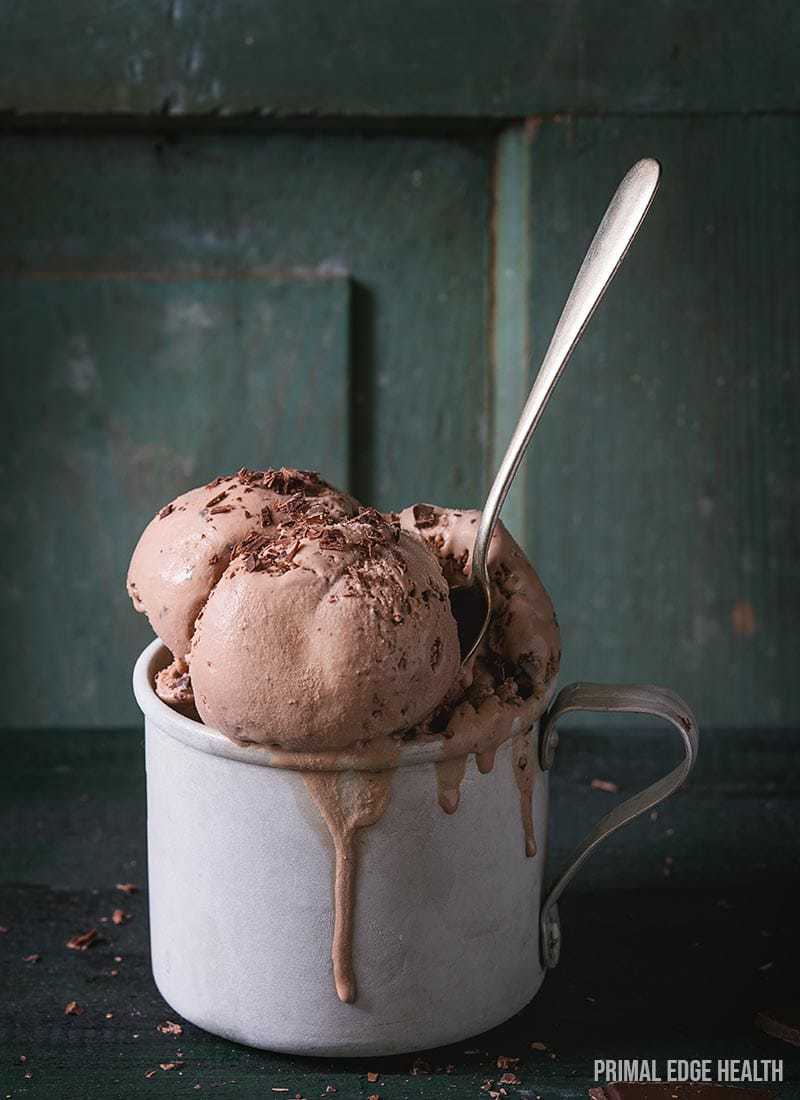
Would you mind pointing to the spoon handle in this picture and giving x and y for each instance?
(619, 226)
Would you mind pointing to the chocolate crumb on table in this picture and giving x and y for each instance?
(607, 785)
(169, 1027)
(82, 941)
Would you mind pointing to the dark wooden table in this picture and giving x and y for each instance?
(674, 937)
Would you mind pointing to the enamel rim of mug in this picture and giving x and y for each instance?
(204, 738)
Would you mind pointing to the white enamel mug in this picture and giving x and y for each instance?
(453, 932)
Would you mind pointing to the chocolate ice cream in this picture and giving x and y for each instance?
(186, 547)
(324, 635)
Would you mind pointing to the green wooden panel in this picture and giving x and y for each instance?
(119, 394)
(210, 277)
(494, 58)
(407, 219)
(663, 490)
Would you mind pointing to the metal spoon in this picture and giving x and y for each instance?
(621, 221)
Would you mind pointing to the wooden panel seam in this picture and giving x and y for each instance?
(509, 319)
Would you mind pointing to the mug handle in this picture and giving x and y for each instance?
(621, 698)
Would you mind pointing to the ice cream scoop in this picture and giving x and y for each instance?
(186, 547)
(327, 635)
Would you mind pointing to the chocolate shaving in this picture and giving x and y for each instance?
(219, 509)
(296, 504)
(604, 785)
(332, 539)
(169, 1027)
(266, 516)
(167, 510)
(250, 544)
(218, 499)
(83, 941)
(424, 515)
(373, 519)
(286, 481)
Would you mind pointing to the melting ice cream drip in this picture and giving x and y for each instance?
(349, 802)
(355, 800)
(522, 759)
(449, 776)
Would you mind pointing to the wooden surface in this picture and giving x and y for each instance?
(401, 57)
(675, 934)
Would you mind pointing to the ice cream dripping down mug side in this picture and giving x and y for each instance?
(450, 929)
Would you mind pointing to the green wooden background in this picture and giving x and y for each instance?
(339, 235)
